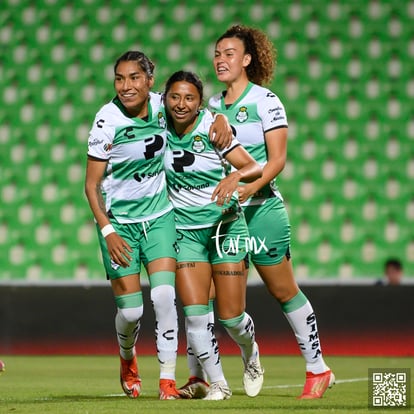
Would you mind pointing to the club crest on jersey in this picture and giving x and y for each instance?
(161, 120)
(242, 115)
(198, 144)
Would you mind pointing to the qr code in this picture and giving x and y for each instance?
(389, 388)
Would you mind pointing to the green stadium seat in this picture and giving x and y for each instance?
(344, 74)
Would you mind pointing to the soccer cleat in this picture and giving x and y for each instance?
(195, 388)
(253, 375)
(317, 384)
(168, 390)
(218, 391)
(130, 380)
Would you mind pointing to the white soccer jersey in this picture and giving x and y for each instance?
(194, 169)
(134, 187)
(258, 110)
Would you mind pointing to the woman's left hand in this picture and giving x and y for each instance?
(220, 132)
(245, 192)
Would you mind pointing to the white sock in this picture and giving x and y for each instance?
(196, 370)
(241, 330)
(166, 329)
(199, 338)
(302, 319)
(127, 324)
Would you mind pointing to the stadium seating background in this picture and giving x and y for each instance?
(345, 74)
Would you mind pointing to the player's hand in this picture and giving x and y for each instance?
(245, 192)
(118, 249)
(220, 132)
(225, 189)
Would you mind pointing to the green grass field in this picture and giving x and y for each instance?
(89, 384)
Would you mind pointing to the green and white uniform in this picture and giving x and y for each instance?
(206, 232)
(257, 111)
(134, 186)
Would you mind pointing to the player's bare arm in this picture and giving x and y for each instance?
(118, 248)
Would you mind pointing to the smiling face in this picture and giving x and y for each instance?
(183, 103)
(132, 86)
(230, 60)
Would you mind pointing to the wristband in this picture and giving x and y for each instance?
(107, 230)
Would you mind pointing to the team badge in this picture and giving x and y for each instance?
(198, 144)
(242, 115)
(161, 120)
(114, 265)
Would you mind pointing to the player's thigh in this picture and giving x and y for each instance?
(193, 281)
(126, 285)
(230, 285)
(193, 275)
(279, 280)
(167, 264)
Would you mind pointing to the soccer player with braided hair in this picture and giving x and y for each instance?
(126, 188)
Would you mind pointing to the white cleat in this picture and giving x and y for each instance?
(253, 375)
(218, 391)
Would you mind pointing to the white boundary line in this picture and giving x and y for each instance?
(268, 387)
(271, 387)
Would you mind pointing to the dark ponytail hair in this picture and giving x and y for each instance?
(143, 61)
(185, 76)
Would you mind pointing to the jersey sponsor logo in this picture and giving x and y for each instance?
(182, 158)
(161, 120)
(153, 144)
(242, 115)
(178, 187)
(100, 123)
(235, 245)
(278, 115)
(107, 147)
(270, 95)
(140, 176)
(198, 144)
(94, 142)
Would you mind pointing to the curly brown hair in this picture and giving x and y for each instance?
(256, 43)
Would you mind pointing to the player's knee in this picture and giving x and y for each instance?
(283, 294)
(163, 298)
(131, 315)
